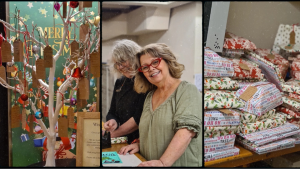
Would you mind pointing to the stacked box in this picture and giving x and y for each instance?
(221, 154)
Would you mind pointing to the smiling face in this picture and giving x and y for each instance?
(155, 75)
(124, 68)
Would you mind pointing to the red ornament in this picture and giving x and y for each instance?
(74, 4)
(77, 73)
(24, 97)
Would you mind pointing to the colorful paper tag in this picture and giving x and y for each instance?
(111, 157)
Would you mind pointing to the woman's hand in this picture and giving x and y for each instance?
(110, 125)
(133, 148)
(152, 163)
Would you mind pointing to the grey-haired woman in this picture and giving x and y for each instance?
(126, 104)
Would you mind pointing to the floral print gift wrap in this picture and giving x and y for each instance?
(245, 69)
(210, 132)
(259, 98)
(216, 66)
(221, 99)
(291, 86)
(225, 83)
(291, 103)
(251, 118)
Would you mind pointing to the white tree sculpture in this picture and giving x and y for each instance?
(50, 133)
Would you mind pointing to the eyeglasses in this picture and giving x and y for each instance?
(120, 66)
(154, 64)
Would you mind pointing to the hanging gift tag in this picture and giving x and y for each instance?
(244, 66)
(6, 52)
(31, 125)
(3, 73)
(74, 49)
(83, 86)
(9, 68)
(71, 117)
(64, 9)
(271, 56)
(35, 82)
(48, 56)
(289, 46)
(15, 116)
(292, 38)
(23, 118)
(83, 31)
(62, 127)
(25, 84)
(20, 75)
(87, 4)
(80, 5)
(39, 104)
(95, 64)
(40, 69)
(18, 51)
(81, 103)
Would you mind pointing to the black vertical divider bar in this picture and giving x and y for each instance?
(101, 75)
(4, 160)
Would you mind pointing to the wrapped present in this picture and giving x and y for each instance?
(297, 138)
(221, 154)
(267, 115)
(291, 103)
(38, 142)
(295, 65)
(24, 137)
(295, 74)
(271, 71)
(247, 128)
(217, 118)
(291, 86)
(274, 146)
(61, 153)
(119, 140)
(251, 71)
(216, 66)
(265, 98)
(217, 99)
(210, 132)
(247, 117)
(268, 133)
(295, 96)
(233, 52)
(283, 115)
(288, 111)
(225, 83)
(219, 143)
(276, 59)
(233, 41)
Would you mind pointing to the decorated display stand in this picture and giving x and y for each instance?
(27, 59)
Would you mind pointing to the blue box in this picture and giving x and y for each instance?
(24, 137)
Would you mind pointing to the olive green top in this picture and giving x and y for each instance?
(183, 109)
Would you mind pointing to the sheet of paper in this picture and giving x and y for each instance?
(127, 161)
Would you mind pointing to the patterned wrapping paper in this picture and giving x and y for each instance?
(297, 138)
(275, 146)
(291, 86)
(221, 154)
(295, 74)
(219, 143)
(251, 118)
(221, 99)
(225, 83)
(268, 140)
(271, 72)
(118, 140)
(237, 42)
(283, 115)
(246, 82)
(265, 99)
(296, 64)
(233, 52)
(253, 73)
(210, 132)
(216, 66)
(288, 111)
(290, 103)
(217, 118)
(295, 96)
(287, 127)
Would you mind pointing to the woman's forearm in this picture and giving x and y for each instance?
(128, 127)
(176, 148)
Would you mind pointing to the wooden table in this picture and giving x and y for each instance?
(117, 147)
(246, 157)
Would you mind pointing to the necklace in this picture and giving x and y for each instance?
(118, 90)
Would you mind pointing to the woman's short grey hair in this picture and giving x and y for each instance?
(124, 50)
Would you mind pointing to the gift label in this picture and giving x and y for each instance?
(271, 56)
(3, 73)
(63, 127)
(10, 68)
(25, 84)
(18, 51)
(81, 103)
(83, 31)
(48, 56)
(289, 47)
(23, 118)
(292, 38)
(6, 52)
(95, 64)
(87, 4)
(20, 75)
(226, 111)
(15, 116)
(83, 86)
(35, 82)
(244, 66)
(31, 125)
(39, 104)
(64, 9)
(71, 117)
(40, 69)
(74, 49)
(227, 35)
(248, 93)
(80, 5)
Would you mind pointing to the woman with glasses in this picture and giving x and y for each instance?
(170, 132)
(126, 104)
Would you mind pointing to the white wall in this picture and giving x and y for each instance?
(184, 37)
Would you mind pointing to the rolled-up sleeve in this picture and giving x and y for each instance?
(188, 113)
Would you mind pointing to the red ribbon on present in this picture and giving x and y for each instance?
(27, 127)
(66, 143)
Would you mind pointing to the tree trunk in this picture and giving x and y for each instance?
(50, 160)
